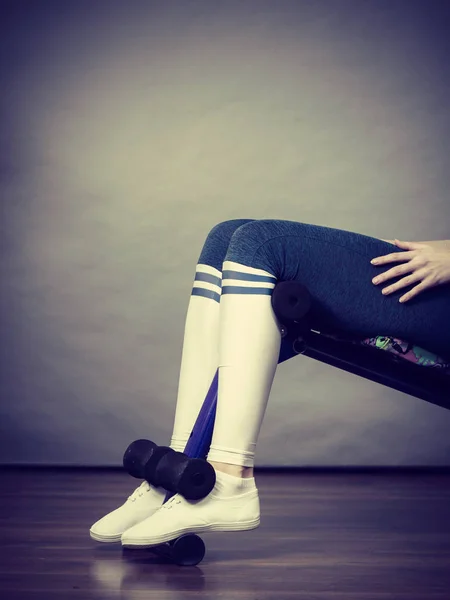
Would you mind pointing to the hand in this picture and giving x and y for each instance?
(428, 263)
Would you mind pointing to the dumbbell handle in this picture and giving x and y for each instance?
(186, 550)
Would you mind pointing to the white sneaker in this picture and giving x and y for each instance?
(179, 516)
(143, 502)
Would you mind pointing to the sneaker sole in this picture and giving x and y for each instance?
(105, 538)
(156, 541)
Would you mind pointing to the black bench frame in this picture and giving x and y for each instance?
(292, 302)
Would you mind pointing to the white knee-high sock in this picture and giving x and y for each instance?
(200, 352)
(249, 347)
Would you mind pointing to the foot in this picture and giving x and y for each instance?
(224, 509)
(145, 500)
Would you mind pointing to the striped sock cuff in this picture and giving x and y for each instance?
(241, 279)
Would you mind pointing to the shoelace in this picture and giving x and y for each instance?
(139, 491)
(169, 504)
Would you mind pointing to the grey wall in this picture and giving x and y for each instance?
(129, 130)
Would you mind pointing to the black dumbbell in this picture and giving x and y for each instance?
(162, 466)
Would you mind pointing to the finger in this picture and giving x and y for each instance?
(415, 291)
(396, 256)
(417, 276)
(394, 272)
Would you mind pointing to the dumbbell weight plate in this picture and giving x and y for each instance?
(136, 456)
(152, 463)
(198, 479)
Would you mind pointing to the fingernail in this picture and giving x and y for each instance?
(374, 261)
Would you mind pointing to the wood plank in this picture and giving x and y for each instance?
(322, 536)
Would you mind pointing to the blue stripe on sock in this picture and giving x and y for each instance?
(248, 277)
(232, 289)
(208, 278)
(206, 293)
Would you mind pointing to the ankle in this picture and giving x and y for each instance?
(236, 470)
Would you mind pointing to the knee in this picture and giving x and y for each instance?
(226, 229)
(217, 242)
(256, 231)
(251, 245)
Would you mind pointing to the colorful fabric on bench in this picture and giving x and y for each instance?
(407, 351)
(398, 348)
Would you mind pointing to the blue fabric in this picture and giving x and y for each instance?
(334, 265)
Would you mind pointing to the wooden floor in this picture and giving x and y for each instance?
(322, 536)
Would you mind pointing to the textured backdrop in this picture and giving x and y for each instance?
(129, 129)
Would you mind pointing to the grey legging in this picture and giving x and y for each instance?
(334, 265)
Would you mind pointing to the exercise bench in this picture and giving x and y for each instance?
(388, 360)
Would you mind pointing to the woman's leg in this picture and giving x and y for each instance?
(198, 366)
(335, 267)
(200, 355)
